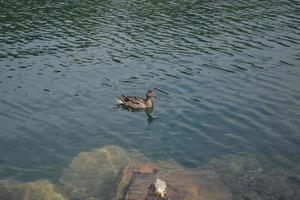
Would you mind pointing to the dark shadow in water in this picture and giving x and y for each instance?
(148, 112)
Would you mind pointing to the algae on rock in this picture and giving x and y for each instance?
(38, 190)
(95, 174)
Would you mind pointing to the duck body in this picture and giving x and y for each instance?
(137, 102)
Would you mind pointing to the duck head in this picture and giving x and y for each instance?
(151, 94)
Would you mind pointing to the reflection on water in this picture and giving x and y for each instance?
(147, 111)
(227, 73)
(150, 118)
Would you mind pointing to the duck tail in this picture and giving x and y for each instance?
(119, 101)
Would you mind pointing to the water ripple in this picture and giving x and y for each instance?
(226, 73)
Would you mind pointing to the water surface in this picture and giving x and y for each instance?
(227, 74)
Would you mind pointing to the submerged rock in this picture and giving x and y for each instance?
(138, 179)
(38, 190)
(95, 174)
(247, 179)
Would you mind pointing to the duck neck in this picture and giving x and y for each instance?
(148, 102)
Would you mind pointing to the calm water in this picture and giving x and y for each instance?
(227, 74)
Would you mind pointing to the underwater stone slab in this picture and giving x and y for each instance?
(247, 179)
(95, 174)
(182, 184)
(38, 190)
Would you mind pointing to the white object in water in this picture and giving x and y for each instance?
(160, 187)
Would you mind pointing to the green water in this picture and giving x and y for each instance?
(227, 74)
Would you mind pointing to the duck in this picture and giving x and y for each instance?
(137, 102)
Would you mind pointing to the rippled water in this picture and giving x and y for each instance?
(227, 74)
